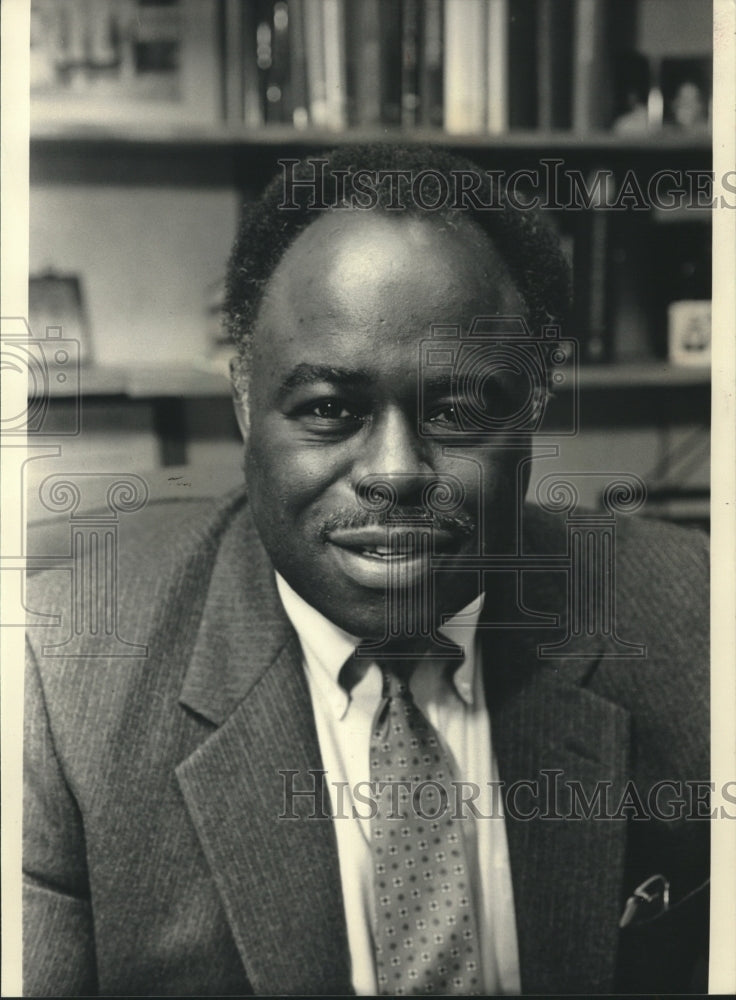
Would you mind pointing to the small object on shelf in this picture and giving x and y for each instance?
(56, 301)
(631, 93)
(686, 89)
(674, 34)
(689, 333)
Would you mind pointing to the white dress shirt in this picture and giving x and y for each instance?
(456, 707)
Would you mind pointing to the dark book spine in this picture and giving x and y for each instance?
(278, 94)
(409, 63)
(298, 65)
(554, 62)
(232, 47)
(431, 63)
(390, 34)
(253, 98)
(364, 62)
(522, 64)
(592, 78)
(592, 278)
(264, 55)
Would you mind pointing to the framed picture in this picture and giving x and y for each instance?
(113, 62)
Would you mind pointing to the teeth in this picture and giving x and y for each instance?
(377, 550)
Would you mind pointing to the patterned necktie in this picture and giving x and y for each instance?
(425, 933)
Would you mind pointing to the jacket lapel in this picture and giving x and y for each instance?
(548, 729)
(275, 865)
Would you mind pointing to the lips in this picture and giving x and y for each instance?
(383, 557)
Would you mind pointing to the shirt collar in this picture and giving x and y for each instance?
(326, 647)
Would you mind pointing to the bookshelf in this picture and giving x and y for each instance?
(224, 143)
(47, 134)
(150, 383)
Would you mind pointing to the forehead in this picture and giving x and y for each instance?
(378, 249)
(364, 281)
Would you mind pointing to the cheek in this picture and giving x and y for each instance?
(287, 474)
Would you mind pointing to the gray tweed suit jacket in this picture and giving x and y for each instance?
(155, 861)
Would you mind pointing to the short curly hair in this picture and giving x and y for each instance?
(525, 242)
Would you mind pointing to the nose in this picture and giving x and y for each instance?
(394, 453)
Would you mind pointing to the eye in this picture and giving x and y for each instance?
(331, 409)
(444, 415)
(331, 416)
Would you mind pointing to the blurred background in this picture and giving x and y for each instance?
(152, 121)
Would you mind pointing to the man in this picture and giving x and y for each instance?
(368, 748)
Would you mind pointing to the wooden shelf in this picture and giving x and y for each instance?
(189, 383)
(641, 375)
(214, 136)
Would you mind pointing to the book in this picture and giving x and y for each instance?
(253, 111)
(630, 305)
(298, 66)
(522, 64)
(497, 67)
(554, 60)
(592, 277)
(592, 84)
(431, 63)
(409, 63)
(233, 55)
(264, 55)
(465, 66)
(316, 80)
(278, 93)
(389, 21)
(333, 23)
(363, 63)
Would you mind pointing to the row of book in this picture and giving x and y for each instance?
(468, 66)
(465, 66)
(462, 65)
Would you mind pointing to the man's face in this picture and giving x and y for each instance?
(334, 400)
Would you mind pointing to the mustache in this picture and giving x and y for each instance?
(459, 523)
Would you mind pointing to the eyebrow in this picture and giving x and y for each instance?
(305, 374)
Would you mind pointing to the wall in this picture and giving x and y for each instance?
(146, 255)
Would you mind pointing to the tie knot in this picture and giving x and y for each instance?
(396, 676)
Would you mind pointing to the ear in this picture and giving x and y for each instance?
(239, 386)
